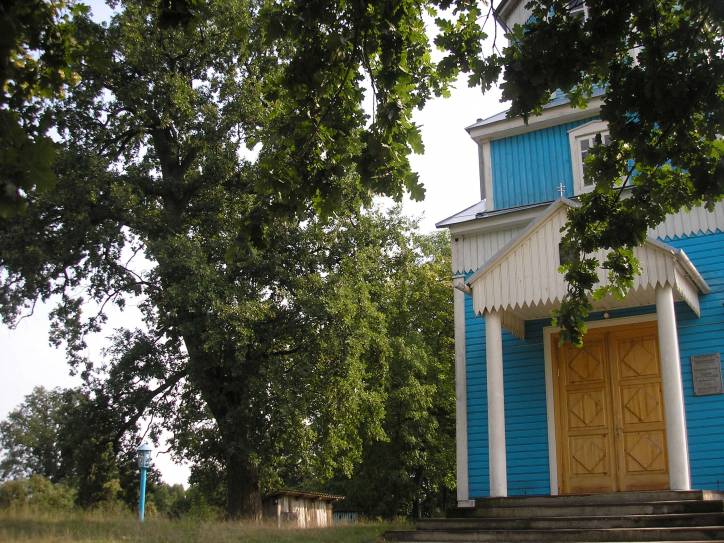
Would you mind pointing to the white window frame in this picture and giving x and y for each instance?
(582, 10)
(575, 136)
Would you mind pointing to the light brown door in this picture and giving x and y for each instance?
(609, 412)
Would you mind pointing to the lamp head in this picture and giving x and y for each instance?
(144, 455)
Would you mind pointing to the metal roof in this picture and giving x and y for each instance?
(467, 214)
(559, 99)
(306, 494)
(471, 214)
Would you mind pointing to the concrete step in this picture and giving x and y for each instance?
(594, 522)
(630, 535)
(552, 509)
(604, 499)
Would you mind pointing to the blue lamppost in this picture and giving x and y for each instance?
(144, 462)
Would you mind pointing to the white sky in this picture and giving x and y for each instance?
(448, 169)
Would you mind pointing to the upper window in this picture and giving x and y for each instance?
(578, 8)
(582, 139)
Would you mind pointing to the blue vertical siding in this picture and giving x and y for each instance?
(528, 168)
(477, 402)
(525, 408)
(704, 335)
(526, 427)
(525, 401)
(526, 423)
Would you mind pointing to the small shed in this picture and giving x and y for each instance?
(300, 509)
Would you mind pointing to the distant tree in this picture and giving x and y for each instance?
(167, 499)
(412, 470)
(70, 436)
(30, 435)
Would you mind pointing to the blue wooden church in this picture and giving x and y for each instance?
(641, 405)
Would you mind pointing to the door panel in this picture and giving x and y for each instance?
(609, 412)
(639, 409)
(587, 452)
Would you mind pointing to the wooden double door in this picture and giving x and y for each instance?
(611, 432)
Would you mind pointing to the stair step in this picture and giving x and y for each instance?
(591, 522)
(603, 499)
(630, 535)
(552, 509)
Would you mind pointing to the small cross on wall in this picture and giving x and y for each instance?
(561, 190)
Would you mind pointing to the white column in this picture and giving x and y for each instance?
(676, 441)
(461, 402)
(496, 405)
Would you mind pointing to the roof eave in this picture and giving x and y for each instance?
(511, 126)
(685, 263)
(503, 10)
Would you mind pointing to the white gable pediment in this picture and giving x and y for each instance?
(523, 278)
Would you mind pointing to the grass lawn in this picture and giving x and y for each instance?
(24, 526)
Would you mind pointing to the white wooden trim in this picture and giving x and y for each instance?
(550, 412)
(471, 251)
(574, 134)
(677, 446)
(524, 277)
(550, 117)
(687, 291)
(501, 221)
(521, 238)
(685, 222)
(591, 127)
(513, 323)
(461, 402)
(548, 331)
(497, 461)
(488, 176)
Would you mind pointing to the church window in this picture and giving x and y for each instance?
(582, 139)
(578, 8)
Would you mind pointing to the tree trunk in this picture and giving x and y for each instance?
(243, 495)
(228, 403)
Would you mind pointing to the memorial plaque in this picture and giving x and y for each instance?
(706, 374)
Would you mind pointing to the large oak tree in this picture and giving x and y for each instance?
(157, 159)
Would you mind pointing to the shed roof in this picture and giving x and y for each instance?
(305, 494)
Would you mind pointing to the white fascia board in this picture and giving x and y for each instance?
(691, 270)
(591, 127)
(683, 260)
(503, 11)
(549, 117)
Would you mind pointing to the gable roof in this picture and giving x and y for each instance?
(522, 278)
